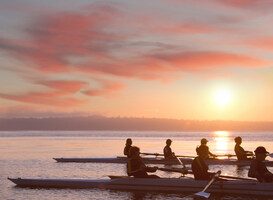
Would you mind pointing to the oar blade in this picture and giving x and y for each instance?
(202, 194)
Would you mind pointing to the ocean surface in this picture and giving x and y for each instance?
(28, 154)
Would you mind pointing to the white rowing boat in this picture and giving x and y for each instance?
(249, 187)
(158, 160)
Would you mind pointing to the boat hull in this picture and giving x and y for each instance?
(159, 185)
(186, 161)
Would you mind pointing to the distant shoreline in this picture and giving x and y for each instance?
(129, 124)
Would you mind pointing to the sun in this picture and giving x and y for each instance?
(222, 97)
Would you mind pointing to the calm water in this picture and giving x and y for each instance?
(29, 154)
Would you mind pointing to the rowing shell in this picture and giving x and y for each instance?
(159, 185)
(157, 160)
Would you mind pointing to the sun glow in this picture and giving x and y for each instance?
(222, 139)
(222, 97)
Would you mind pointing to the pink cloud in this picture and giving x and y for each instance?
(68, 86)
(262, 43)
(158, 66)
(107, 86)
(213, 60)
(57, 38)
(246, 3)
(243, 4)
(188, 28)
(62, 89)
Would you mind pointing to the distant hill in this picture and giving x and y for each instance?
(104, 123)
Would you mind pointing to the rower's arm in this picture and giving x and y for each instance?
(131, 171)
(212, 155)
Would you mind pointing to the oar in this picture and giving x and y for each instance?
(182, 156)
(226, 155)
(152, 154)
(205, 194)
(238, 178)
(226, 176)
(159, 154)
(178, 170)
(177, 157)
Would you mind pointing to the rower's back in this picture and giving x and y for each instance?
(257, 167)
(239, 151)
(168, 154)
(199, 167)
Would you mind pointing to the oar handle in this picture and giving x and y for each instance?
(182, 170)
(226, 155)
(212, 180)
(152, 154)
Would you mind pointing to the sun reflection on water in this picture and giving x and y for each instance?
(222, 139)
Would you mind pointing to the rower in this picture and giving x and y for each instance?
(204, 149)
(168, 154)
(127, 147)
(257, 167)
(135, 166)
(199, 166)
(239, 151)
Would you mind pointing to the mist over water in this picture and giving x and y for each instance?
(28, 154)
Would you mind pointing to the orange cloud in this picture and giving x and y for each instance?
(45, 98)
(199, 60)
(157, 66)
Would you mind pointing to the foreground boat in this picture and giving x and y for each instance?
(241, 187)
(156, 160)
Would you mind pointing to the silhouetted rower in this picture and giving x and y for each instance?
(239, 151)
(204, 150)
(199, 167)
(135, 166)
(168, 154)
(257, 167)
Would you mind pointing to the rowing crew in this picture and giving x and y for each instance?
(137, 169)
(203, 149)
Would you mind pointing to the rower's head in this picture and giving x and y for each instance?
(238, 140)
(261, 153)
(169, 142)
(134, 151)
(129, 141)
(204, 141)
(201, 153)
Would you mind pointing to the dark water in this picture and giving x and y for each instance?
(28, 154)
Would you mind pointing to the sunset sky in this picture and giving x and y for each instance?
(180, 59)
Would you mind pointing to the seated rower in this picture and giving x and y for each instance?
(239, 151)
(127, 147)
(168, 154)
(135, 166)
(199, 167)
(204, 150)
(257, 167)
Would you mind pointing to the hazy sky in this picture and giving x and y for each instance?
(183, 59)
